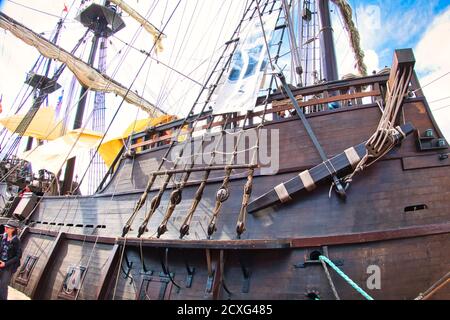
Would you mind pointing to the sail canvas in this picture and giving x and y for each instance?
(239, 91)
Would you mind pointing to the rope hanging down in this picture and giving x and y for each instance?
(345, 277)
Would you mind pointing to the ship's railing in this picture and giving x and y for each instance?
(320, 98)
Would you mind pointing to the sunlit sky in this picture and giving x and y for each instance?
(199, 28)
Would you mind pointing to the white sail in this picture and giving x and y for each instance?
(88, 76)
(156, 34)
(240, 90)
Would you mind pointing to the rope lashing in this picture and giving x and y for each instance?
(345, 277)
(387, 134)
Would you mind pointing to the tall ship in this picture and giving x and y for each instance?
(281, 180)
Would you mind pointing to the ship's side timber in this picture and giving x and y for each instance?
(408, 190)
(378, 198)
(223, 269)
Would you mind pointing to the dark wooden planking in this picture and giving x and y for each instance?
(340, 239)
(74, 236)
(107, 276)
(91, 255)
(38, 245)
(319, 173)
(399, 260)
(424, 162)
(291, 131)
(36, 292)
(333, 138)
(371, 205)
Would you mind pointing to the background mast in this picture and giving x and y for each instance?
(328, 53)
(103, 21)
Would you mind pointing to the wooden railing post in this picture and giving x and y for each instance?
(105, 280)
(41, 278)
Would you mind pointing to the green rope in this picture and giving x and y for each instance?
(346, 278)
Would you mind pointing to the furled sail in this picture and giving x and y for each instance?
(353, 33)
(156, 34)
(88, 76)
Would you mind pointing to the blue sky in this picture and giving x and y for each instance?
(386, 25)
(403, 23)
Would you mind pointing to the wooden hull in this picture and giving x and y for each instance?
(396, 217)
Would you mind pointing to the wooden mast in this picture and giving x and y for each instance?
(47, 71)
(328, 53)
(97, 18)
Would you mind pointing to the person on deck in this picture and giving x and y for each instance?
(25, 190)
(10, 255)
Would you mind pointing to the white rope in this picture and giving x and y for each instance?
(383, 140)
(235, 152)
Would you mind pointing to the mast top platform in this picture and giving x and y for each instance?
(101, 19)
(43, 83)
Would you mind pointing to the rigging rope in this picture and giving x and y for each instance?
(128, 90)
(353, 33)
(330, 281)
(34, 9)
(385, 137)
(223, 192)
(152, 178)
(438, 285)
(433, 81)
(345, 277)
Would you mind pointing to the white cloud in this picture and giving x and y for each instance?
(382, 29)
(433, 60)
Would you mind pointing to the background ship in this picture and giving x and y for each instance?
(191, 209)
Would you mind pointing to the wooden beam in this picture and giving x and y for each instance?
(207, 244)
(424, 162)
(108, 275)
(403, 59)
(288, 243)
(279, 106)
(24, 233)
(329, 86)
(218, 276)
(348, 96)
(42, 276)
(74, 236)
(307, 180)
(283, 105)
(159, 139)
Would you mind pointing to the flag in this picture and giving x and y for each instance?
(58, 105)
(65, 8)
(1, 107)
(240, 89)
